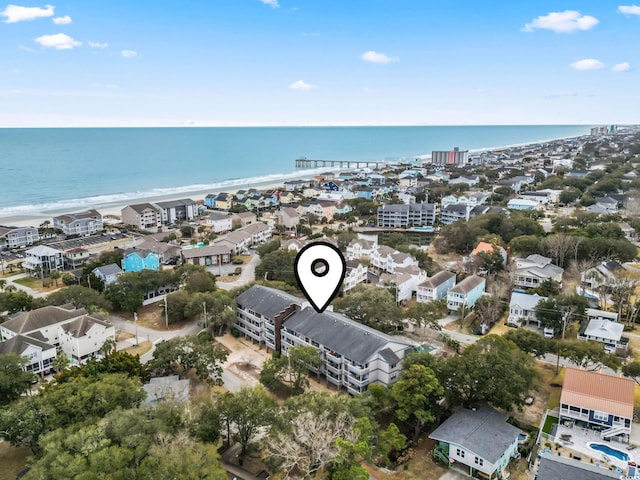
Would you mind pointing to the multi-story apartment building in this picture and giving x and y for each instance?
(174, 211)
(354, 355)
(402, 215)
(143, 216)
(18, 237)
(80, 223)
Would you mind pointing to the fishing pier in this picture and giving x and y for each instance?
(311, 163)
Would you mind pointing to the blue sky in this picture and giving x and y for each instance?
(275, 62)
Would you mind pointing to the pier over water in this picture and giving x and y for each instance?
(310, 163)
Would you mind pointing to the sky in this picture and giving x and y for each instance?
(319, 62)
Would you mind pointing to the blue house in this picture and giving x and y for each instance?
(466, 293)
(331, 186)
(138, 259)
(365, 192)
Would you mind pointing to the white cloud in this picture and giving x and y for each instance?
(15, 13)
(66, 20)
(301, 85)
(129, 53)
(622, 67)
(587, 64)
(59, 41)
(97, 44)
(376, 57)
(629, 9)
(562, 22)
(271, 3)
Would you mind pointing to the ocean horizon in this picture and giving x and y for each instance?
(74, 168)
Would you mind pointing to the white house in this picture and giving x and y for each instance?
(436, 287)
(43, 259)
(607, 332)
(39, 354)
(522, 309)
(108, 273)
(530, 272)
(398, 283)
(80, 223)
(218, 222)
(360, 247)
(356, 274)
(41, 323)
(83, 337)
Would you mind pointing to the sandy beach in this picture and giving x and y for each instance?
(114, 208)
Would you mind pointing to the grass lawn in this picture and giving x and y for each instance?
(245, 258)
(140, 349)
(554, 398)
(36, 284)
(549, 423)
(12, 460)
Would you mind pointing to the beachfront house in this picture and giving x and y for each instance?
(107, 273)
(465, 294)
(17, 237)
(522, 309)
(219, 201)
(597, 401)
(41, 260)
(88, 222)
(480, 440)
(83, 337)
(38, 353)
(436, 287)
(138, 259)
(142, 216)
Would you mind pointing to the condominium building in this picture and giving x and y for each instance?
(403, 215)
(80, 223)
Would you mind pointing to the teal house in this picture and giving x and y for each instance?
(138, 259)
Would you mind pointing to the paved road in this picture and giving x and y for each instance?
(460, 337)
(247, 275)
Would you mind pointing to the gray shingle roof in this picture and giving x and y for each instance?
(339, 333)
(484, 432)
(553, 467)
(20, 343)
(42, 317)
(80, 326)
(468, 284)
(527, 302)
(438, 279)
(266, 301)
(106, 270)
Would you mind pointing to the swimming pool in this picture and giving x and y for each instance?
(422, 229)
(607, 450)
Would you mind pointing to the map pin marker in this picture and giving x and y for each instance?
(320, 269)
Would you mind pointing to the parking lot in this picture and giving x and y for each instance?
(93, 241)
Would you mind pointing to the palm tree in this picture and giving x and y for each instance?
(60, 362)
(55, 275)
(10, 288)
(3, 283)
(108, 346)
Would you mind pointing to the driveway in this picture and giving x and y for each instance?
(248, 275)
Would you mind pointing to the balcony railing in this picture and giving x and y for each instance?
(334, 357)
(356, 369)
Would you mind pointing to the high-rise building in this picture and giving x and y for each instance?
(450, 157)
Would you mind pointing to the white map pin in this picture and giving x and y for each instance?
(320, 269)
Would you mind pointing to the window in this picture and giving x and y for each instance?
(479, 461)
(600, 416)
(460, 452)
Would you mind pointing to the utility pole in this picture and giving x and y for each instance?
(135, 322)
(166, 312)
(204, 307)
(565, 319)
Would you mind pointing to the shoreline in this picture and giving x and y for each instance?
(198, 192)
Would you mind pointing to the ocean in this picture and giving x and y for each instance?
(54, 169)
